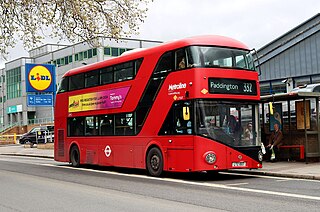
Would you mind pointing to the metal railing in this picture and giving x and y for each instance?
(40, 121)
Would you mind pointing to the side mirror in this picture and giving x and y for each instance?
(257, 60)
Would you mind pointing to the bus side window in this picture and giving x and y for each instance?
(106, 75)
(123, 71)
(124, 124)
(76, 126)
(91, 125)
(180, 59)
(181, 125)
(177, 122)
(63, 87)
(76, 82)
(91, 78)
(106, 125)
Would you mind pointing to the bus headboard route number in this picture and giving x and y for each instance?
(232, 86)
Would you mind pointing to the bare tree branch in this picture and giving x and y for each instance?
(29, 20)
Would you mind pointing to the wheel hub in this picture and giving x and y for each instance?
(155, 162)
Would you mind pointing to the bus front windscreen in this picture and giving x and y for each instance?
(212, 57)
(230, 123)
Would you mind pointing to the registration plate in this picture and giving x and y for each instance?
(239, 164)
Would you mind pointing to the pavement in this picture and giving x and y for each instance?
(292, 169)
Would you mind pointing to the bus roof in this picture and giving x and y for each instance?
(210, 40)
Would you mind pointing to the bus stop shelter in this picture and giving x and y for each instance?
(297, 114)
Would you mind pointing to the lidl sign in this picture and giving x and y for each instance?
(40, 78)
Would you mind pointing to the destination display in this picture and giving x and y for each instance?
(232, 86)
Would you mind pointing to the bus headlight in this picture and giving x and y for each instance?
(210, 157)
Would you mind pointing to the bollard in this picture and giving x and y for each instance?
(15, 138)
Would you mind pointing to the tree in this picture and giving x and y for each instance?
(74, 20)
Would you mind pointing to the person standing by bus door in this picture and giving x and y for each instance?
(275, 141)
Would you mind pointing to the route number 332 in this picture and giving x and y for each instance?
(247, 87)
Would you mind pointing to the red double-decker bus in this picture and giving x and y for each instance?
(184, 106)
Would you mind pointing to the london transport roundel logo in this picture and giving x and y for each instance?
(40, 78)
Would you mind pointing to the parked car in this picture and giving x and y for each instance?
(40, 134)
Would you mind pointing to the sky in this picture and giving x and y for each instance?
(253, 22)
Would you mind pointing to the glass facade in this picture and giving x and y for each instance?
(14, 83)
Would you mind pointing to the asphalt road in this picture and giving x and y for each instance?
(37, 184)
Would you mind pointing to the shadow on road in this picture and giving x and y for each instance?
(189, 176)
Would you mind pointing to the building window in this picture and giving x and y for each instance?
(14, 83)
(66, 60)
(107, 51)
(80, 56)
(90, 53)
(302, 81)
(121, 51)
(279, 88)
(94, 52)
(114, 52)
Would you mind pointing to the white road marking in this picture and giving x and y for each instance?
(236, 184)
(269, 177)
(212, 185)
(284, 180)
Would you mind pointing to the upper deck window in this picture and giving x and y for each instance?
(76, 82)
(91, 78)
(123, 71)
(63, 87)
(102, 76)
(209, 56)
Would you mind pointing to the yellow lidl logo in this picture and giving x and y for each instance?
(40, 78)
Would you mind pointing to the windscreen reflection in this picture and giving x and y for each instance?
(227, 122)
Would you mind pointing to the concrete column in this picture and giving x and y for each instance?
(25, 117)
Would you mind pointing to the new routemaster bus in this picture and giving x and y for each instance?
(183, 106)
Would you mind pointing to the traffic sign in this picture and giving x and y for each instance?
(34, 100)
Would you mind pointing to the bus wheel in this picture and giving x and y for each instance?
(75, 156)
(154, 162)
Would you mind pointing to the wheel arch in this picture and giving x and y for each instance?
(72, 144)
(158, 145)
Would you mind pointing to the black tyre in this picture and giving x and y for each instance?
(75, 156)
(27, 141)
(154, 162)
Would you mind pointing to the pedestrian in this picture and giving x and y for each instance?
(275, 141)
(248, 133)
